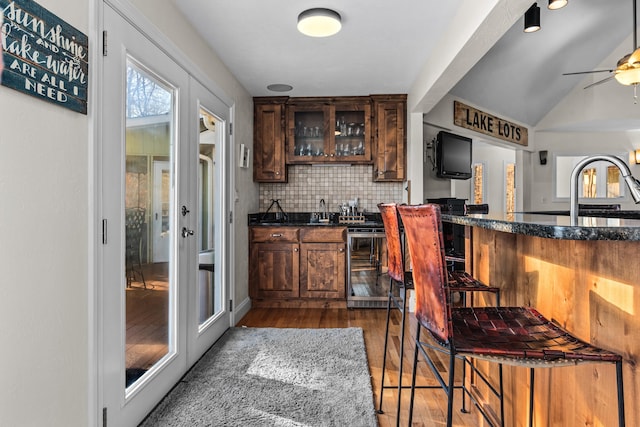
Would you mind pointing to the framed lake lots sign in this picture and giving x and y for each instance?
(43, 55)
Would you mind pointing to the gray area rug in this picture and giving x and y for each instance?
(275, 377)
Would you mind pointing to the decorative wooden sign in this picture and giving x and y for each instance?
(479, 121)
(44, 56)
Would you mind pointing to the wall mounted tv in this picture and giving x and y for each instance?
(453, 156)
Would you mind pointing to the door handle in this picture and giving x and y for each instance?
(185, 211)
(186, 232)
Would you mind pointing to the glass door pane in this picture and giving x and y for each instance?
(148, 214)
(209, 293)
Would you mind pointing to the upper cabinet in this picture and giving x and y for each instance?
(322, 130)
(269, 140)
(355, 130)
(390, 159)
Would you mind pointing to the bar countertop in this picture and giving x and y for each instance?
(552, 226)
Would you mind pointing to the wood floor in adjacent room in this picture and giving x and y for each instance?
(430, 405)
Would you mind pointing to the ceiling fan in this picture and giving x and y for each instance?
(627, 71)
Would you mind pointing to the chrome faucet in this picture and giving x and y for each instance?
(632, 183)
(323, 206)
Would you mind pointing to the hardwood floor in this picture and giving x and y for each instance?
(147, 309)
(430, 405)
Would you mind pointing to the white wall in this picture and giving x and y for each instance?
(46, 267)
(44, 255)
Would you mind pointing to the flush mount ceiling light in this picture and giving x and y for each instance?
(557, 4)
(532, 19)
(319, 22)
(279, 87)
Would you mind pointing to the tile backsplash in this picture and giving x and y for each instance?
(335, 184)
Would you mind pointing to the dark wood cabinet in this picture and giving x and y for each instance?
(269, 140)
(329, 130)
(274, 265)
(297, 264)
(354, 130)
(390, 159)
(323, 262)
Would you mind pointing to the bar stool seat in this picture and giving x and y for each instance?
(458, 281)
(518, 336)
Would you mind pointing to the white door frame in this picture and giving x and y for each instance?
(202, 336)
(143, 25)
(128, 406)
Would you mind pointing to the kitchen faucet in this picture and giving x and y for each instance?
(323, 206)
(632, 183)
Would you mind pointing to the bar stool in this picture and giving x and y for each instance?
(458, 281)
(518, 336)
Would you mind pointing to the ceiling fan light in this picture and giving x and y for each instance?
(319, 22)
(532, 19)
(628, 75)
(557, 4)
(634, 58)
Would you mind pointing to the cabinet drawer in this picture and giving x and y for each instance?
(322, 234)
(274, 234)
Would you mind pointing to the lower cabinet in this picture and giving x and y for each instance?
(274, 270)
(291, 263)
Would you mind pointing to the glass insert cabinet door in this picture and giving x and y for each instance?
(339, 132)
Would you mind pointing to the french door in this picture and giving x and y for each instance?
(163, 204)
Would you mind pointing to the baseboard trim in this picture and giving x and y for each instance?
(240, 310)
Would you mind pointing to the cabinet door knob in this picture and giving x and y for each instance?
(295, 249)
(341, 250)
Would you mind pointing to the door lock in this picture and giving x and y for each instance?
(186, 232)
(185, 211)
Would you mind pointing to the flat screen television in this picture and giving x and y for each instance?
(453, 156)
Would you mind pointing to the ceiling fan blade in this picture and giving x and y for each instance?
(588, 72)
(599, 82)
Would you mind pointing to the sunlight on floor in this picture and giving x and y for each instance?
(284, 369)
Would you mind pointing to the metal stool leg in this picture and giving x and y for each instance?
(403, 295)
(386, 342)
(621, 421)
(531, 382)
(413, 375)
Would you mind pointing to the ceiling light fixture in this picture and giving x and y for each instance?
(319, 22)
(557, 4)
(279, 87)
(628, 70)
(532, 19)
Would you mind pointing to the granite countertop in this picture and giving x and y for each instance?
(553, 226)
(297, 219)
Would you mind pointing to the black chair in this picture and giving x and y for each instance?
(134, 223)
(458, 281)
(518, 336)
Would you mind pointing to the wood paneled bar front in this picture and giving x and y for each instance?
(586, 278)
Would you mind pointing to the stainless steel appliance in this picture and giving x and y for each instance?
(367, 278)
